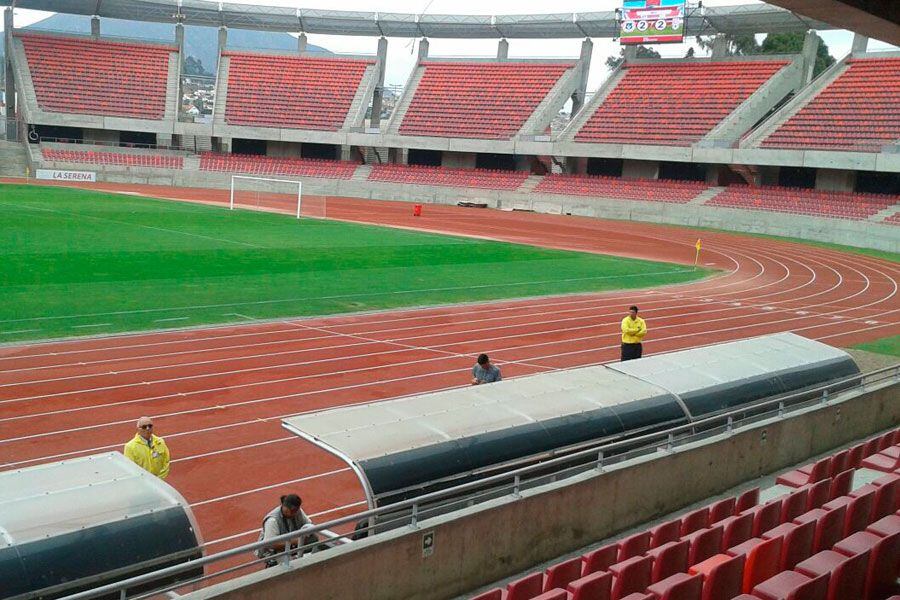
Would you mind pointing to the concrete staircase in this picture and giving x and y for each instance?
(578, 120)
(361, 173)
(192, 162)
(881, 215)
(801, 99)
(13, 159)
(196, 143)
(549, 106)
(374, 156)
(403, 105)
(529, 184)
(707, 195)
(221, 92)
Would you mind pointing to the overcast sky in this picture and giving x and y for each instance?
(402, 52)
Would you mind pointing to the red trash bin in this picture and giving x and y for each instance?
(417, 210)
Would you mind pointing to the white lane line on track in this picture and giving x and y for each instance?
(272, 486)
(91, 325)
(576, 352)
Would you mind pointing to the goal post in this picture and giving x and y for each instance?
(266, 193)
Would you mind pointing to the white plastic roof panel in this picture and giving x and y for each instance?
(57, 498)
(379, 429)
(733, 373)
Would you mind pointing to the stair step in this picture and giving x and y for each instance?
(706, 195)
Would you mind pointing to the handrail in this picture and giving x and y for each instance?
(821, 394)
(110, 144)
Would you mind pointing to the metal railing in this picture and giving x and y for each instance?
(111, 144)
(512, 483)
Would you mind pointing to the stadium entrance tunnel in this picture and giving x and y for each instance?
(79, 524)
(405, 448)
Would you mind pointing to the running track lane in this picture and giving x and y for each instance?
(218, 394)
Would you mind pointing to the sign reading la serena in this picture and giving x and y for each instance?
(55, 175)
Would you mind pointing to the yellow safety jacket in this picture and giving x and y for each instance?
(152, 457)
(633, 330)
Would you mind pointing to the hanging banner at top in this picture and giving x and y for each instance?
(652, 21)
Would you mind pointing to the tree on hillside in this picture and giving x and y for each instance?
(194, 66)
(792, 43)
(613, 62)
(774, 43)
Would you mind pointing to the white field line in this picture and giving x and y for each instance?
(393, 341)
(325, 360)
(271, 486)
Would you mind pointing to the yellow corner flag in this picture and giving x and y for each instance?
(698, 245)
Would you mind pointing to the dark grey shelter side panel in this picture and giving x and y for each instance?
(712, 399)
(422, 466)
(13, 580)
(123, 544)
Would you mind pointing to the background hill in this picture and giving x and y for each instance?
(200, 43)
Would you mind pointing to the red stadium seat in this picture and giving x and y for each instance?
(721, 510)
(561, 574)
(633, 545)
(694, 520)
(840, 486)
(737, 529)
(525, 588)
(668, 559)
(829, 526)
(722, 576)
(818, 494)
(884, 560)
(846, 574)
(797, 542)
(746, 500)
(600, 559)
(680, 586)
(495, 594)
(670, 531)
(632, 575)
(794, 504)
(705, 543)
(810, 473)
(761, 558)
(790, 585)
(596, 586)
(765, 516)
(552, 595)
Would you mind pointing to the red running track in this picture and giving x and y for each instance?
(217, 394)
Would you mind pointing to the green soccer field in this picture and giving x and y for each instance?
(76, 262)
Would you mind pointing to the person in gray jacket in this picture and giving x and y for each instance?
(484, 371)
(286, 517)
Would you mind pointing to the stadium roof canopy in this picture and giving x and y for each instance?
(755, 18)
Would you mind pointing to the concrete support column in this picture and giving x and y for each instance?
(223, 39)
(225, 145)
(502, 49)
(164, 139)
(301, 43)
(712, 174)
(377, 97)
(423, 49)
(630, 53)
(810, 50)
(179, 95)
(346, 152)
(720, 47)
(403, 157)
(95, 26)
(835, 180)
(584, 60)
(640, 169)
(11, 124)
(860, 44)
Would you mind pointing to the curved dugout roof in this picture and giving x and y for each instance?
(396, 444)
(413, 442)
(752, 18)
(711, 379)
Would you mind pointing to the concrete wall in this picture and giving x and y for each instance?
(835, 180)
(486, 543)
(640, 169)
(458, 160)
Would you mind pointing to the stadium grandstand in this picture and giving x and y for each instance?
(752, 454)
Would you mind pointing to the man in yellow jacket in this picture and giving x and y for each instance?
(148, 451)
(633, 331)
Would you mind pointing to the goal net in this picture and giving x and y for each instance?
(271, 194)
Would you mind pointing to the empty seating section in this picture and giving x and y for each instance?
(293, 92)
(811, 546)
(837, 205)
(894, 219)
(478, 99)
(674, 103)
(473, 178)
(90, 76)
(159, 161)
(272, 165)
(651, 190)
(856, 112)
